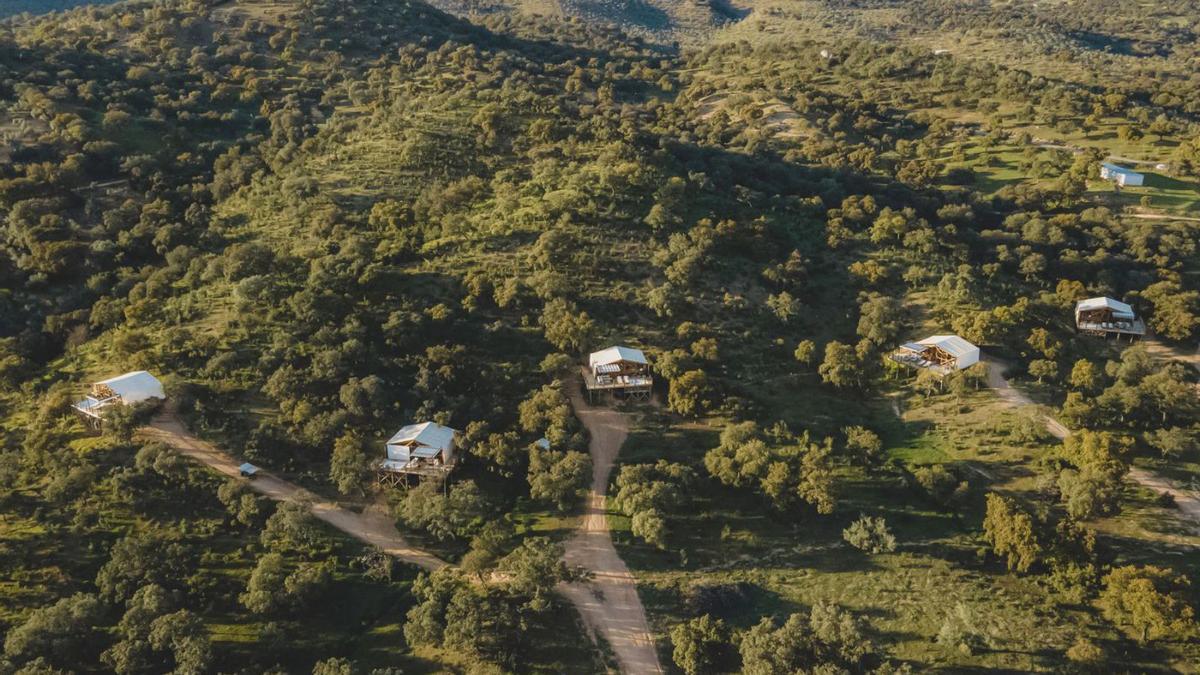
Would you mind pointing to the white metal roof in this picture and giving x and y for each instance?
(1103, 303)
(135, 387)
(615, 355)
(1117, 168)
(429, 434)
(951, 344)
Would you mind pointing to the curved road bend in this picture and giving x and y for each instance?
(1187, 501)
(372, 526)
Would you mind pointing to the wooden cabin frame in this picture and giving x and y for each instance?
(930, 355)
(401, 477)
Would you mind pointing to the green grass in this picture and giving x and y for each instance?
(1165, 193)
(791, 561)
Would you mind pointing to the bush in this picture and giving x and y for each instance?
(558, 477)
(457, 514)
(870, 535)
(959, 632)
(1086, 652)
(720, 600)
(942, 486)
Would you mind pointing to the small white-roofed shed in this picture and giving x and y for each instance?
(1120, 175)
(1107, 306)
(965, 354)
(132, 387)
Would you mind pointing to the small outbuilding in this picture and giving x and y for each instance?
(618, 370)
(425, 449)
(1120, 175)
(128, 389)
(1106, 316)
(942, 354)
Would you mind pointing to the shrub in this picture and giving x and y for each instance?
(870, 535)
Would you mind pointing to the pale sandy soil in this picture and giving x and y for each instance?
(609, 601)
(372, 526)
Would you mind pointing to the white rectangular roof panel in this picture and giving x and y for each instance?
(616, 355)
(430, 434)
(135, 387)
(1103, 303)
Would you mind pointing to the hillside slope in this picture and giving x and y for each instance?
(320, 220)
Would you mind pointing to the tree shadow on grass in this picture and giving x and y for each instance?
(843, 559)
(1159, 181)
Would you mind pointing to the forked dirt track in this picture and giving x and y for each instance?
(609, 601)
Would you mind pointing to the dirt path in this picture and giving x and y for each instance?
(609, 602)
(1164, 216)
(1016, 398)
(1188, 501)
(1162, 350)
(372, 526)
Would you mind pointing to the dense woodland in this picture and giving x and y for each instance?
(319, 220)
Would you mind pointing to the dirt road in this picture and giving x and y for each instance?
(1188, 501)
(1161, 350)
(372, 526)
(609, 602)
(1017, 398)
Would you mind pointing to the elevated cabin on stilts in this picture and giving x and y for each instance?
(1105, 316)
(128, 389)
(620, 371)
(942, 354)
(427, 449)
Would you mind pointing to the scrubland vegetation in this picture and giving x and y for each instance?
(319, 220)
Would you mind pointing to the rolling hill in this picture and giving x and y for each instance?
(318, 221)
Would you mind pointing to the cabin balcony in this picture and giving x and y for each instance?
(617, 381)
(1134, 327)
(393, 472)
(91, 406)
